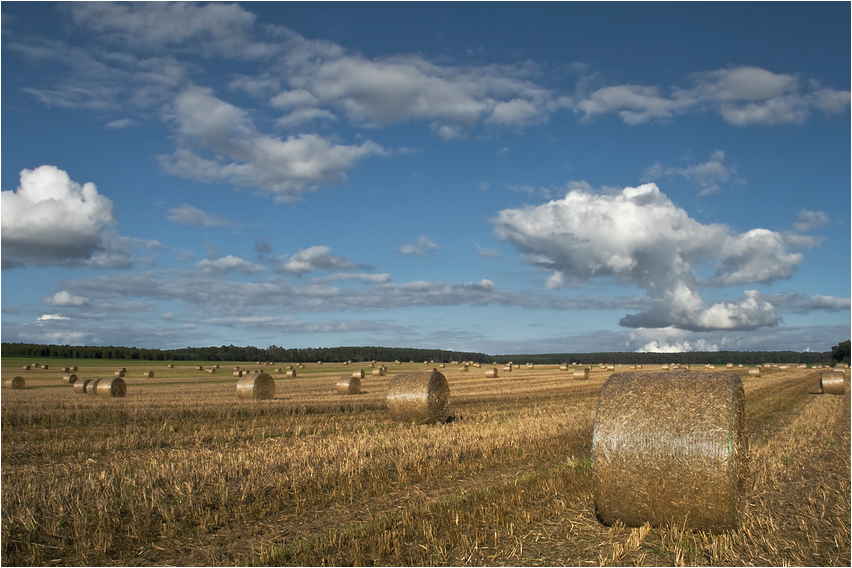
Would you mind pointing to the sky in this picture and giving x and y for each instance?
(493, 177)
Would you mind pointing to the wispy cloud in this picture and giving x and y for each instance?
(423, 245)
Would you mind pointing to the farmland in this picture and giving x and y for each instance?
(182, 472)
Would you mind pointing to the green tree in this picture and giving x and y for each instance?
(840, 352)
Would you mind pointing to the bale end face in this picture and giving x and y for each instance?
(70, 379)
(115, 387)
(419, 397)
(670, 449)
(14, 383)
(258, 386)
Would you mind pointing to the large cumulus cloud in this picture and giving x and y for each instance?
(638, 236)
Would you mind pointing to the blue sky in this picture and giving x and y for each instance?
(494, 177)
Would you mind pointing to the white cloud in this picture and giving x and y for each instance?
(193, 216)
(51, 317)
(53, 221)
(809, 220)
(638, 236)
(241, 155)
(424, 244)
(228, 264)
(742, 96)
(65, 298)
(314, 258)
(709, 176)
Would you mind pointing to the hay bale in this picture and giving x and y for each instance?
(259, 386)
(359, 374)
(26, 367)
(419, 397)
(115, 387)
(14, 383)
(581, 374)
(380, 372)
(91, 385)
(291, 373)
(148, 374)
(74, 369)
(349, 385)
(45, 367)
(754, 372)
(69, 378)
(492, 374)
(66, 369)
(171, 366)
(120, 373)
(664, 367)
(81, 385)
(670, 449)
(833, 382)
(238, 373)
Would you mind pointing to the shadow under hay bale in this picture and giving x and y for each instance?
(15, 383)
(833, 382)
(80, 385)
(670, 449)
(114, 387)
(419, 397)
(349, 385)
(258, 386)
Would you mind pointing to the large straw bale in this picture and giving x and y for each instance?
(92, 385)
(492, 374)
(833, 382)
(349, 385)
(380, 372)
(14, 383)
(754, 372)
(259, 386)
(113, 387)
(419, 397)
(581, 374)
(359, 374)
(70, 378)
(670, 449)
(81, 385)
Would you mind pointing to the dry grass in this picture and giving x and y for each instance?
(182, 472)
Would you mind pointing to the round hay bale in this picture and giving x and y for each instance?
(115, 387)
(80, 386)
(14, 383)
(754, 372)
(380, 372)
(563, 367)
(419, 397)
(70, 378)
(91, 385)
(74, 369)
(581, 374)
(664, 367)
(148, 374)
(259, 386)
(359, 374)
(120, 373)
(171, 366)
(201, 368)
(670, 449)
(833, 382)
(238, 373)
(349, 385)
(45, 367)
(66, 369)
(26, 367)
(291, 373)
(492, 374)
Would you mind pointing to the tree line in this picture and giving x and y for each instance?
(840, 353)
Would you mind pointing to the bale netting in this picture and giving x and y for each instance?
(258, 386)
(80, 385)
(670, 449)
(833, 382)
(14, 383)
(70, 379)
(114, 387)
(349, 385)
(419, 397)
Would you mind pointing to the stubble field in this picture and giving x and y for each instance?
(182, 472)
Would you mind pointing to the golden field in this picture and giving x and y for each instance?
(182, 472)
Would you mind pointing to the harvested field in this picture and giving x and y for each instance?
(180, 471)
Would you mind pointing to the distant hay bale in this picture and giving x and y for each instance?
(14, 383)
(115, 387)
(258, 386)
(349, 385)
(66, 369)
(783, 367)
(380, 372)
(199, 368)
(492, 374)
(74, 369)
(148, 374)
(291, 373)
(754, 372)
(833, 382)
(730, 365)
(664, 367)
(238, 373)
(610, 367)
(212, 370)
(26, 367)
(171, 366)
(69, 378)
(581, 374)
(81, 385)
(359, 374)
(120, 373)
(45, 367)
(670, 449)
(507, 368)
(419, 397)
